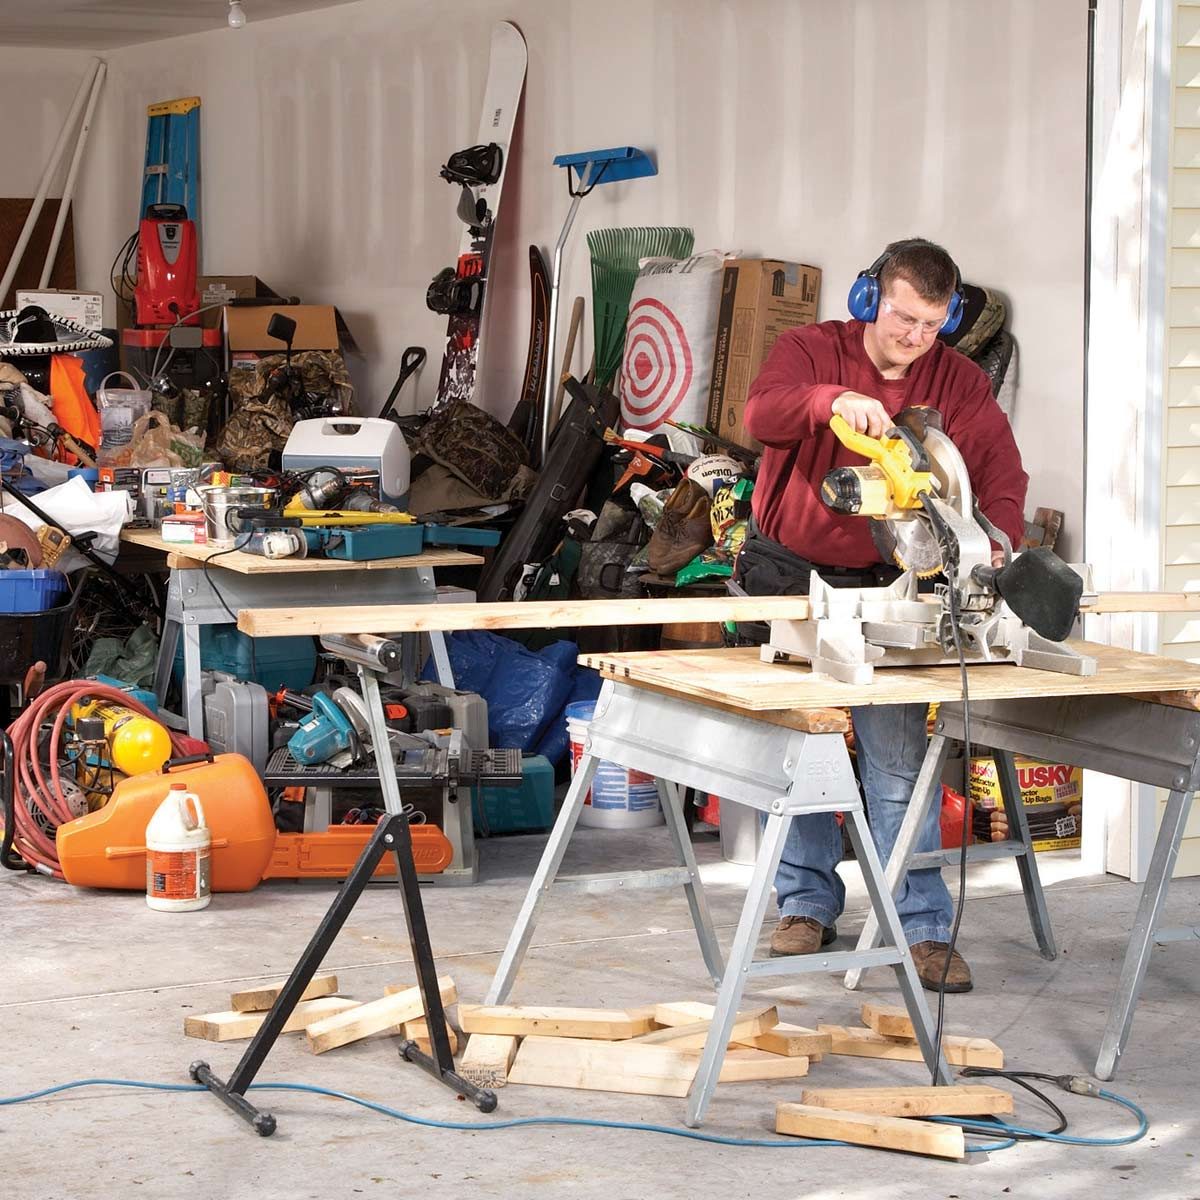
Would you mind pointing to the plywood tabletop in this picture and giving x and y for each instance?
(182, 557)
(738, 679)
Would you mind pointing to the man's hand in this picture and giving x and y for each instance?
(863, 414)
(997, 559)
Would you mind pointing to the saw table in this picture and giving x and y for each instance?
(766, 735)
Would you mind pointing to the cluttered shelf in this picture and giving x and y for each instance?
(182, 556)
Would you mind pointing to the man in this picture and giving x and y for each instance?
(867, 370)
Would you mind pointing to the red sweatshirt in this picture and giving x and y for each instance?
(789, 409)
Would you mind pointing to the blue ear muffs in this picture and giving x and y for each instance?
(863, 300)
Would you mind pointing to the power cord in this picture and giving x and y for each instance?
(1009, 1134)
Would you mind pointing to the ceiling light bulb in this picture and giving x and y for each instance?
(237, 15)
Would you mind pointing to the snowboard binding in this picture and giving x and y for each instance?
(475, 166)
(457, 290)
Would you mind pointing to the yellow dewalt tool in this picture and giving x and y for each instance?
(892, 484)
(333, 516)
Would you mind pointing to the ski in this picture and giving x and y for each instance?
(460, 292)
(526, 417)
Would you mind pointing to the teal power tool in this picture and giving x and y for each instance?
(324, 733)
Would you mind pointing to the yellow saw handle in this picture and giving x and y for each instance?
(900, 458)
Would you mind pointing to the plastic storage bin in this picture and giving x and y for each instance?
(276, 662)
(527, 809)
(32, 591)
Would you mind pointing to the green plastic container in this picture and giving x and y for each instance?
(527, 809)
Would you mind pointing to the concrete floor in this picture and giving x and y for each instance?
(98, 985)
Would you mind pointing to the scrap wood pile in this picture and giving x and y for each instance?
(655, 1050)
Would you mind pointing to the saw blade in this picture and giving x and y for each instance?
(911, 543)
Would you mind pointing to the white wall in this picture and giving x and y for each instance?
(798, 128)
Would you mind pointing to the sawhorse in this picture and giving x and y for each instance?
(783, 765)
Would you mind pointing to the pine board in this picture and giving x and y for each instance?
(487, 1059)
(377, 1016)
(185, 557)
(261, 998)
(604, 1066)
(694, 1034)
(608, 1024)
(889, 1020)
(737, 678)
(864, 1129)
(955, 1100)
(793, 1041)
(231, 1026)
(866, 1043)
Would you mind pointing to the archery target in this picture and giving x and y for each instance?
(669, 335)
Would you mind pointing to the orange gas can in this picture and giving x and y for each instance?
(107, 849)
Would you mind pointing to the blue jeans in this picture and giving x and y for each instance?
(890, 742)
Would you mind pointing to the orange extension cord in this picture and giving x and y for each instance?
(32, 789)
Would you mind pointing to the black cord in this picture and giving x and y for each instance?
(1022, 1078)
(217, 592)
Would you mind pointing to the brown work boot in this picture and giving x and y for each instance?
(930, 960)
(800, 935)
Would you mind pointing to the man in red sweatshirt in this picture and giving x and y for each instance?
(866, 370)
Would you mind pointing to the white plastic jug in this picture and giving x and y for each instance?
(178, 854)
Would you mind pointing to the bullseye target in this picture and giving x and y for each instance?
(657, 370)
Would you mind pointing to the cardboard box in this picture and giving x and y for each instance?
(221, 289)
(246, 328)
(86, 308)
(1052, 794)
(760, 298)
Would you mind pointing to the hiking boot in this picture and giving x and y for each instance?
(800, 935)
(930, 960)
(683, 531)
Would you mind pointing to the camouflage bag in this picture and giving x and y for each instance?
(474, 446)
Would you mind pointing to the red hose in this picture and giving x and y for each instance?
(31, 788)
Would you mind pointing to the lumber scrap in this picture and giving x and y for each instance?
(746, 1066)
(890, 1020)
(376, 1016)
(487, 1059)
(694, 1034)
(604, 1066)
(791, 1040)
(860, 1042)
(418, 1031)
(605, 1024)
(230, 1026)
(260, 999)
(955, 1100)
(868, 1129)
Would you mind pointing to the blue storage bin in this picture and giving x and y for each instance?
(277, 661)
(32, 591)
(527, 809)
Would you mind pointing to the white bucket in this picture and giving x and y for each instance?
(619, 798)
(219, 504)
(178, 854)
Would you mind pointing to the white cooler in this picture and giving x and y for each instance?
(370, 442)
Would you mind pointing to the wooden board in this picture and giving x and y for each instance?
(956, 1100)
(604, 1066)
(230, 1026)
(418, 1031)
(865, 1129)
(608, 1024)
(377, 1016)
(793, 1041)
(694, 1035)
(738, 679)
(748, 1066)
(866, 1043)
(185, 557)
(261, 998)
(487, 1059)
(570, 614)
(890, 1020)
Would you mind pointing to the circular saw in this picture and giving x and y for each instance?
(912, 460)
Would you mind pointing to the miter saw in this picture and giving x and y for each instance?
(917, 494)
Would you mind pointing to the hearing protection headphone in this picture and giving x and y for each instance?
(865, 294)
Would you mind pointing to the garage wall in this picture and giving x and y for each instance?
(796, 128)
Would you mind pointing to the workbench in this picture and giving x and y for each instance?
(299, 585)
(768, 735)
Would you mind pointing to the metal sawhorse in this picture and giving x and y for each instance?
(781, 764)
(1119, 735)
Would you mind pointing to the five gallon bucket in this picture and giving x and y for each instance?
(618, 798)
(220, 504)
